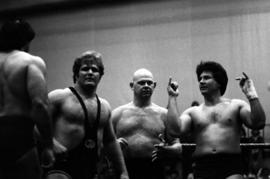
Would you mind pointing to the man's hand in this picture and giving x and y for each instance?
(159, 152)
(247, 87)
(58, 148)
(124, 176)
(160, 149)
(172, 88)
(190, 176)
(123, 143)
(47, 158)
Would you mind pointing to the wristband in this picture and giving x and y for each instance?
(249, 90)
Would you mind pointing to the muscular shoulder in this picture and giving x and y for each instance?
(238, 103)
(121, 109)
(105, 105)
(117, 112)
(21, 60)
(192, 111)
(59, 95)
(20, 56)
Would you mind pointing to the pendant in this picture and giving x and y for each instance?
(89, 143)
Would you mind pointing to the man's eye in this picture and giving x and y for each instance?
(95, 70)
(149, 83)
(145, 82)
(84, 69)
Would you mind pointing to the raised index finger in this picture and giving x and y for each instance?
(170, 80)
(245, 75)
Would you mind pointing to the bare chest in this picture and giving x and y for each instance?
(221, 115)
(73, 111)
(142, 122)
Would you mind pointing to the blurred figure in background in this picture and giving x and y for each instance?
(255, 155)
(23, 105)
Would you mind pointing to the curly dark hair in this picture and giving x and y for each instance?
(92, 55)
(219, 73)
(15, 34)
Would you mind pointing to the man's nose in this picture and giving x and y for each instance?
(202, 80)
(90, 71)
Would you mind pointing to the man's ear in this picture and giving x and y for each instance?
(131, 84)
(75, 78)
(155, 84)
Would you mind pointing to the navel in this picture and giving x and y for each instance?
(214, 150)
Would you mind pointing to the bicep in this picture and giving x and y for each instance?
(55, 99)
(109, 134)
(185, 122)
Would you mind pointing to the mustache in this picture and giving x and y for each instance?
(147, 89)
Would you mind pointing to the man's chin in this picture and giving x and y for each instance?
(203, 91)
(90, 85)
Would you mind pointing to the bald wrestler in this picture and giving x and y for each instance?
(23, 104)
(141, 130)
(216, 123)
(81, 122)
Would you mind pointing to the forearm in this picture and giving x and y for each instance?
(172, 117)
(116, 156)
(42, 120)
(257, 114)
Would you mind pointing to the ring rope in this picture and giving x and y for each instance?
(242, 145)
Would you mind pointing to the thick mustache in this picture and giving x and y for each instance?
(147, 90)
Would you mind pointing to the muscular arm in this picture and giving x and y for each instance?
(172, 122)
(113, 148)
(55, 99)
(177, 125)
(115, 117)
(253, 116)
(37, 91)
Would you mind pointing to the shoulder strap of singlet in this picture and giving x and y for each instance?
(81, 102)
(90, 132)
(86, 121)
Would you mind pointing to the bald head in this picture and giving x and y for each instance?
(142, 73)
(143, 84)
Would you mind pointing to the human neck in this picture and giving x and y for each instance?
(212, 99)
(87, 92)
(141, 102)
